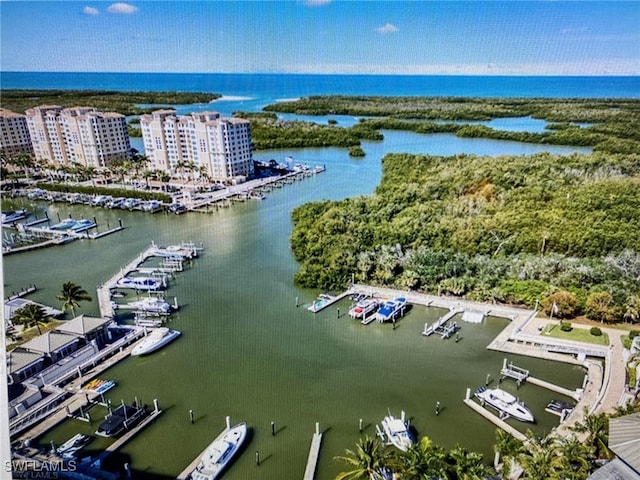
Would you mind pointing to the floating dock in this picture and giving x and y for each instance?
(314, 454)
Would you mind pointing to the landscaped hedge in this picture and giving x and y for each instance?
(114, 192)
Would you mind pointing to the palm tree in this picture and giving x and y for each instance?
(71, 295)
(596, 426)
(540, 459)
(368, 460)
(31, 315)
(422, 461)
(467, 465)
(575, 457)
(508, 447)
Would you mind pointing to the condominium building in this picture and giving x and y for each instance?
(14, 134)
(207, 142)
(80, 135)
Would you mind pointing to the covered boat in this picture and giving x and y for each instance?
(122, 418)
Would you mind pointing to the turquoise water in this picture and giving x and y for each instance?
(249, 352)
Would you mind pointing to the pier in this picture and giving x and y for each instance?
(439, 326)
(314, 453)
(520, 375)
(170, 265)
(492, 418)
(325, 301)
(131, 433)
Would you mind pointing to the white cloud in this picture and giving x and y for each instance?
(316, 3)
(122, 8)
(90, 11)
(388, 28)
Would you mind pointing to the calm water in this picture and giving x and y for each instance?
(247, 350)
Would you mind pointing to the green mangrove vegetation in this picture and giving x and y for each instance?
(126, 103)
(516, 229)
(269, 132)
(613, 125)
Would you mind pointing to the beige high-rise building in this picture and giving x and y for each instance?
(14, 134)
(80, 135)
(205, 140)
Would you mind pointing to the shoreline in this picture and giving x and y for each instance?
(604, 385)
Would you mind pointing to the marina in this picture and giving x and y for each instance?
(254, 252)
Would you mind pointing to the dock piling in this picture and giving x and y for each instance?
(437, 408)
(360, 426)
(258, 458)
(273, 428)
(191, 415)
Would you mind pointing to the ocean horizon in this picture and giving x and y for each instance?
(273, 86)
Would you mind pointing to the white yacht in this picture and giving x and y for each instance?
(220, 452)
(151, 304)
(140, 283)
(395, 431)
(155, 340)
(505, 403)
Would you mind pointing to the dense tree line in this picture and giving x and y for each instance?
(268, 132)
(514, 229)
(126, 103)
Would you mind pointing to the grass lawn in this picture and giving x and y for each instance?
(576, 334)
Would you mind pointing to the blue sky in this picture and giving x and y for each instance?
(323, 36)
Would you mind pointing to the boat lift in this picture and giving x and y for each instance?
(511, 371)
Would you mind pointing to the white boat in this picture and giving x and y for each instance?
(151, 304)
(391, 309)
(396, 432)
(174, 251)
(505, 403)
(140, 283)
(155, 340)
(69, 448)
(220, 452)
(13, 215)
(363, 308)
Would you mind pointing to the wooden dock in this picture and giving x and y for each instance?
(314, 454)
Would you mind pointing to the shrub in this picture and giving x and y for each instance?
(595, 331)
(565, 326)
(633, 334)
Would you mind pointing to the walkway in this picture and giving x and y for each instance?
(604, 388)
